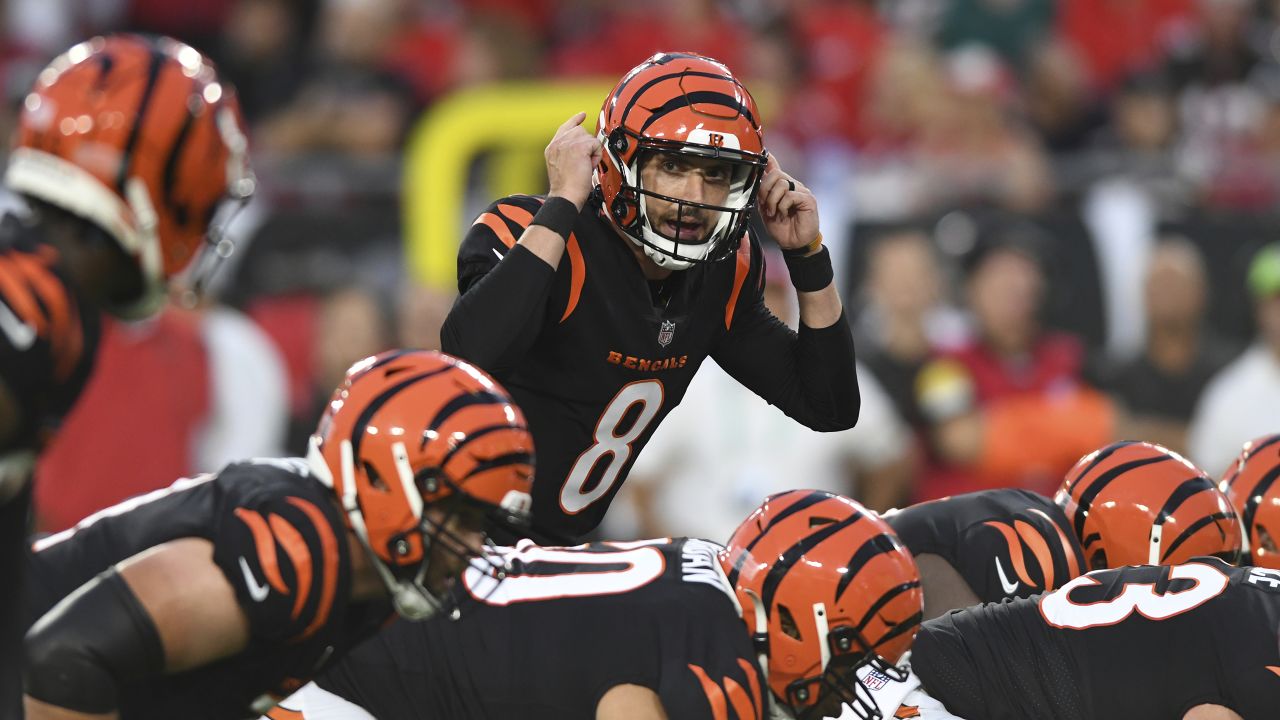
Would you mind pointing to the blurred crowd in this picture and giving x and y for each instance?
(1054, 216)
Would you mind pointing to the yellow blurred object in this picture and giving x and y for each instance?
(514, 121)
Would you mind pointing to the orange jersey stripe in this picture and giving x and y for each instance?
(753, 682)
(1073, 564)
(283, 713)
(64, 337)
(739, 277)
(577, 275)
(295, 546)
(741, 703)
(329, 551)
(499, 227)
(522, 217)
(1015, 550)
(1039, 548)
(715, 696)
(266, 545)
(19, 295)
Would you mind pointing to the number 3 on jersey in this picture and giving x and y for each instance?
(1059, 610)
(611, 448)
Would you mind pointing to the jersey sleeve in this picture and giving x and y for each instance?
(282, 555)
(1028, 551)
(503, 288)
(809, 375)
(713, 674)
(42, 341)
(715, 694)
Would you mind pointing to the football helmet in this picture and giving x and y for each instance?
(689, 105)
(412, 429)
(140, 137)
(825, 588)
(1250, 483)
(1137, 503)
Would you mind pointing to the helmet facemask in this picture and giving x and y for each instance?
(410, 582)
(633, 210)
(846, 658)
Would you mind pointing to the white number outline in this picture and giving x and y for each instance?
(1059, 611)
(617, 447)
(644, 562)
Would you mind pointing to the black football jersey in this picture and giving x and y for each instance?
(611, 354)
(1004, 543)
(282, 545)
(1135, 643)
(48, 337)
(566, 625)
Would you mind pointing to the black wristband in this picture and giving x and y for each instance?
(810, 273)
(557, 215)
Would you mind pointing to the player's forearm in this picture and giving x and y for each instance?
(496, 320)
(828, 377)
(812, 378)
(36, 710)
(820, 309)
(544, 243)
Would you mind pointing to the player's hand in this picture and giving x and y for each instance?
(572, 156)
(789, 209)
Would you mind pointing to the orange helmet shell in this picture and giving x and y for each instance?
(682, 103)
(1137, 503)
(1251, 484)
(409, 429)
(139, 136)
(830, 579)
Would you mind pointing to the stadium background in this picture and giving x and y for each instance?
(1094, 134)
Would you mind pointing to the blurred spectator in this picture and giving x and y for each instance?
(1009, 27)
(1137, 143)
(420, 313)
(609, 39)
(349, 326)
(197, 22)
(1243, 400)
(1060, 104)
(350, 103)
(183, 393)
(841, 42)
(1119, 37)
(905, 317)
(960, 147)
(723, 449)
(1009, 408)
(1159, 389)
(261, 51)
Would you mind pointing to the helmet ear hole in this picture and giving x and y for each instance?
(1098, 560)
(788, 623)
(1265, 539)
(375, 479)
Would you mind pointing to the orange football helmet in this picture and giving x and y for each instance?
(410, 429)
(1251, 485)
(686, 104)
(140, 137)
(1137, 503)
(825, 588)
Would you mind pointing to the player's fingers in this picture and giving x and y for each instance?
(777, 192)
(767, 184)
(571, 123)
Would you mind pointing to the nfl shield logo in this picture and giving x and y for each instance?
(875, 680)
(666, 332)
